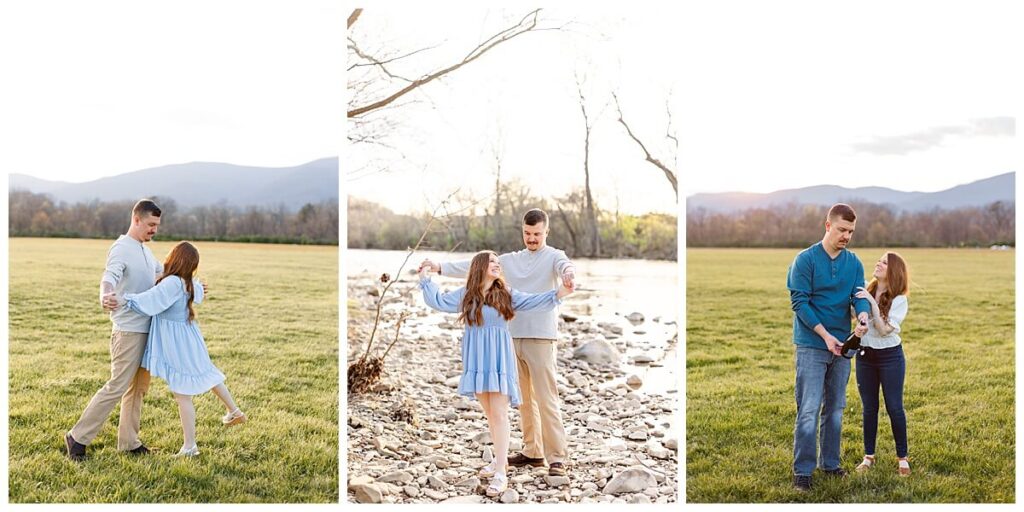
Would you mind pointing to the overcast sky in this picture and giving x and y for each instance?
(94, 89)
(911, 96)
(522, 98)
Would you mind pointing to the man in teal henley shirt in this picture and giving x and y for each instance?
(823, 282)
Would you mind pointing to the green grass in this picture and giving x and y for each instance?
(271, 325)
(959, 392)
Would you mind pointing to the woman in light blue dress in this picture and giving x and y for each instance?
(485, 305)
(175, 350)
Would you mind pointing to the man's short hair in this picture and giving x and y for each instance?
(145, 207)
(535, 216)
(844, 211)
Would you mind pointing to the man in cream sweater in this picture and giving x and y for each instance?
(131, 268)
(536, 269)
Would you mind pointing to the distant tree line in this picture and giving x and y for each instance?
(878, 225)
(34, 214)
(499, 227)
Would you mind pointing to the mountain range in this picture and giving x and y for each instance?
(976, 193)
(202, 183)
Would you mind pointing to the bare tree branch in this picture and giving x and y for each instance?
(354, 16)
(669, 174)
(374, 61)
(526, 24)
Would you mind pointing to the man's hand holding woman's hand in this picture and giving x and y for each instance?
(109, 301)
(569, 279)
(566, 289)
(430, 266)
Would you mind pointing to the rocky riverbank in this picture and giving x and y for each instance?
(414, 440)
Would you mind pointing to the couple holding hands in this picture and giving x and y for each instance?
(508, 307)
(154, 333)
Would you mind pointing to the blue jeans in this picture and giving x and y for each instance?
(821, 378)
(887, 368)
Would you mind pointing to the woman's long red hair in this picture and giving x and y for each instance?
(182, 261)
(497, 296)
(897, 279)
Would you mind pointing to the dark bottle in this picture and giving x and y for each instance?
(851, 345)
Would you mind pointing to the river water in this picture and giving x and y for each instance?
(607, 291)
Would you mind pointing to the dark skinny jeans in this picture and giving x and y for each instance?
(885, 368)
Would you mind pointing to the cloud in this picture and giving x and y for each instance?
(935, 137)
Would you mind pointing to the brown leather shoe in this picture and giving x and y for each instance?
(556, 469)
(519, 460)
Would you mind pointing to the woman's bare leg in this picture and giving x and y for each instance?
(501, 430)
(485, 404)
(225, 396)
(187, 411)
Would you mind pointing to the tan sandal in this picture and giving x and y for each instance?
(498, 485)
(869, 460)
(234, 417)
(904, 467)
(489, 470)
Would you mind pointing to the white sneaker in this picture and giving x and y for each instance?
(188, 452)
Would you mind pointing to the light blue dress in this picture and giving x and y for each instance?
(488, 358)
(175, 350)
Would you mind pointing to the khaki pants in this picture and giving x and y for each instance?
(543, 433)
(128, 383)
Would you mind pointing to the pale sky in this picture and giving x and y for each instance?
(522, 96)
(911, 96)
(94, 89)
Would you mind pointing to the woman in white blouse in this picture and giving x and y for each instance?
(881, 362)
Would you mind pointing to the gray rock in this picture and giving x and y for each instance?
(401, 477)
(597, 352)
(655, 450)
(634, 381)
(465, 499)
(435, 495)
(510, 496)
(639, 498)
(368, 493)
(615, 444)
(488, 454)
(522, 479)
(359, 480)
(556, 481)
(634, 479)
(471, 483)
(635, 317)
(481, 438)
(638, 435)
(436, 483)
(452, 382)
(643, 359)
(412, 491)
(672, 444)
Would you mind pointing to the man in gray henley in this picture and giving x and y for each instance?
(536, 269)
(131, 268)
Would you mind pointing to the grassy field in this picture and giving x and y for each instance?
(959, 393)
(271, 324)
